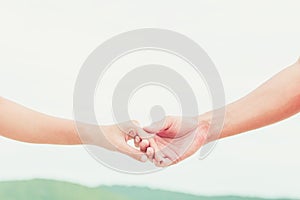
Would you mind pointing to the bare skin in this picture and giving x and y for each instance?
(175, 138)
(22, 124)
(275, 100)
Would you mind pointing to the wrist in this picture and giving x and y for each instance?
(206, 118)
(218, 122)
(94, 135)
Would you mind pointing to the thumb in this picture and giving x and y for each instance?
(143, 134)
(156, 127)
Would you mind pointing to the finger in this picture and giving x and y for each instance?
(150, 153)
(155, 163)
(132, 152)
(142, 133)
(167, 162)
(155, 127)
(137, 141)
(132, 129)
(164, 163)
(159, 126)
(144, 145)
(131, 133)
(170, 154)
(157, 153)
(139, 131)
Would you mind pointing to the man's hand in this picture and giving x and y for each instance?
(175, 139)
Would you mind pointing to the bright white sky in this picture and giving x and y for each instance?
(44, 43)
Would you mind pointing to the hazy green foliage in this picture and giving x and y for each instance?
(56, 190)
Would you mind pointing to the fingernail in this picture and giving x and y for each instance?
(131, 133)
(137, 139)
(146, 142)
(159, 158)
(148, 151)
(144, 158)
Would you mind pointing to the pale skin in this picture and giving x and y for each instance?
(174, 138)
(20, 123)
(275, 100)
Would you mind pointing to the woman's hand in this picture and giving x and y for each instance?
(115, 138)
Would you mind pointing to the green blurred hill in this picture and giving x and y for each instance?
(56, 190)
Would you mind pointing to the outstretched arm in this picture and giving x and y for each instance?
(275, 100)
(23, 124)
(177, 138)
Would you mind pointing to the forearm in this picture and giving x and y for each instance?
(275, 100)
(22, 124)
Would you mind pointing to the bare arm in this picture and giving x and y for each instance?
(275, 100)
(23, 124)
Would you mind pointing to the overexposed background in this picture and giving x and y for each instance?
(44, 43)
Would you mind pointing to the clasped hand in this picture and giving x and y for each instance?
(164, 142)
